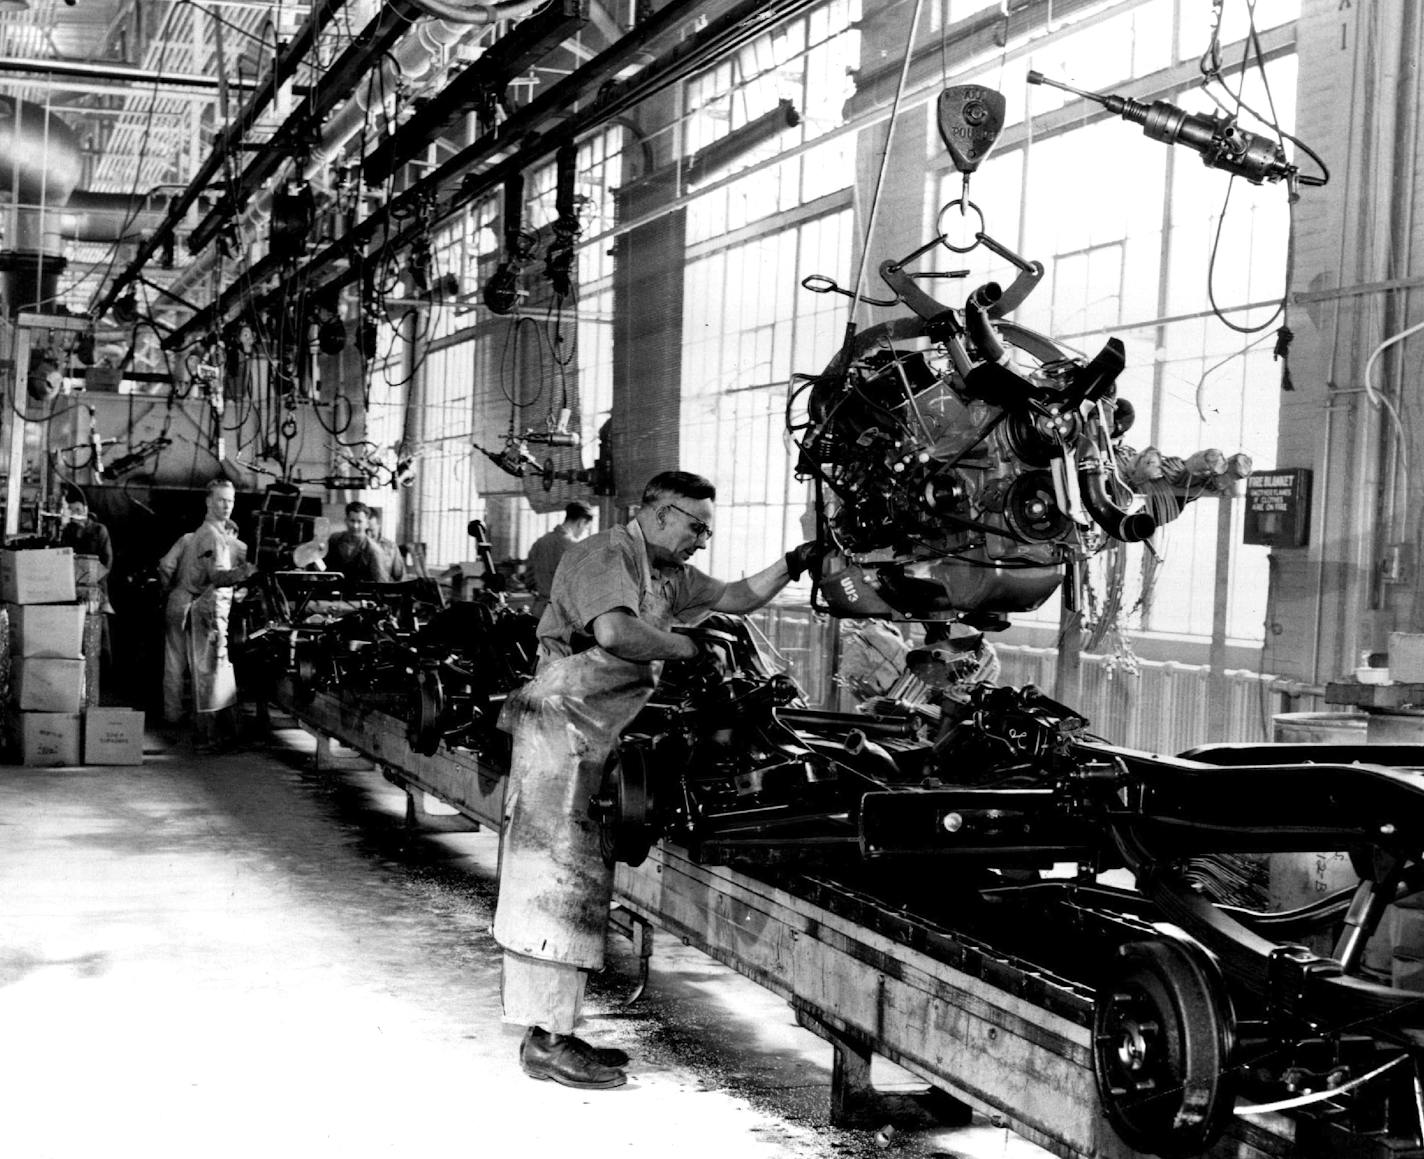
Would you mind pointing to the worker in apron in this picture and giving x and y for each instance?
(175, 627)
(213, 561)
(603, 639)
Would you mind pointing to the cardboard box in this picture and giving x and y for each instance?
(1406, 657)
(42, 684)
(37, 575)
(46, 739)
(54, 630)
(113, 736)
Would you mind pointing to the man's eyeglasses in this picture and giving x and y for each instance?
(695, 525)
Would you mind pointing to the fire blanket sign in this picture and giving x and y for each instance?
(1278, 508)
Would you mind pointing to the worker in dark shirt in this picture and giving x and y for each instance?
(87, 536)
(548, 549)
(353, 552)
(389, 549)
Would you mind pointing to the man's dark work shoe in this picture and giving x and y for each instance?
(558, 1057)
(606, 1055)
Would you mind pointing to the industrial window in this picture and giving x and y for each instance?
(486, 377)
(748, 326)
(736, 117)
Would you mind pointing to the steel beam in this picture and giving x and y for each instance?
(337, 83)
(531, 134)
(285, 66)
(527, 42)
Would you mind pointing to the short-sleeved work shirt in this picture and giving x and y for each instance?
(544, 556)
(605, 572)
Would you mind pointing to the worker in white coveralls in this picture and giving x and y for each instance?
(211, 563)
(602, 640)
(175, 629)
(175, 626)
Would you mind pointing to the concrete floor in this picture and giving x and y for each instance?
(240, 956)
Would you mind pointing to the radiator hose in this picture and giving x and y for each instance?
(1127, 526)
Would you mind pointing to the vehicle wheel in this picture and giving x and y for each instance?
(1163, 1037)
(424, 731)
(304, 672)
(624, 808)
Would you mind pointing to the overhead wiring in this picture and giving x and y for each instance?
(138, 169)
(1211, 69)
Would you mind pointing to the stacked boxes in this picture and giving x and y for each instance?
(37, 576)
(46, 640)
(113, 736)
(53, 646)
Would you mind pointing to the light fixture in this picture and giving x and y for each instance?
(126, 308)
(14, 5)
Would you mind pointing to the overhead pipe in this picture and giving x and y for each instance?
(283, 69)
(414, 62)
(118, 73)
(40, 164)
(531, 133)
(107, 217)
(470, 88)
(479, 13)
(385, 34)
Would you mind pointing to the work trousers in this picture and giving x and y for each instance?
(544, 994)
(175, 658)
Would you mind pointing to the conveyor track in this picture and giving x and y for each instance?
(995, 1030)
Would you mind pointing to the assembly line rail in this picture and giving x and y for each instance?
(859, 988)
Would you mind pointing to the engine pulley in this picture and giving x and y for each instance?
(1038, 436)
(1031, 508)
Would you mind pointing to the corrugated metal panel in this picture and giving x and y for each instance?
(1024, 665)
(1163, 707)
(1250, 704)
(1186, 699)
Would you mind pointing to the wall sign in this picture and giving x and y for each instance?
(1278, 508)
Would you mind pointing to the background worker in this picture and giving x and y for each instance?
(175, 629)
(208, 567)
(388, 548)
(603, 639)
(175, 624)
(353, 552)
(87, 536)
(549, 548)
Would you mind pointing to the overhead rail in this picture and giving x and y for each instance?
(472, 89)
(335, 84)
(532, 133)
(288, 61)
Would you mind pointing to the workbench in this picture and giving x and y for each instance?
(991, 1032)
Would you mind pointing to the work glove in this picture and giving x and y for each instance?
(803, 558)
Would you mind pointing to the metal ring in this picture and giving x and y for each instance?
(959, 201)
(820, 284)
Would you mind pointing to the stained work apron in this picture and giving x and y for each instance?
(214, 679)
(554, 888)
(213, 552)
